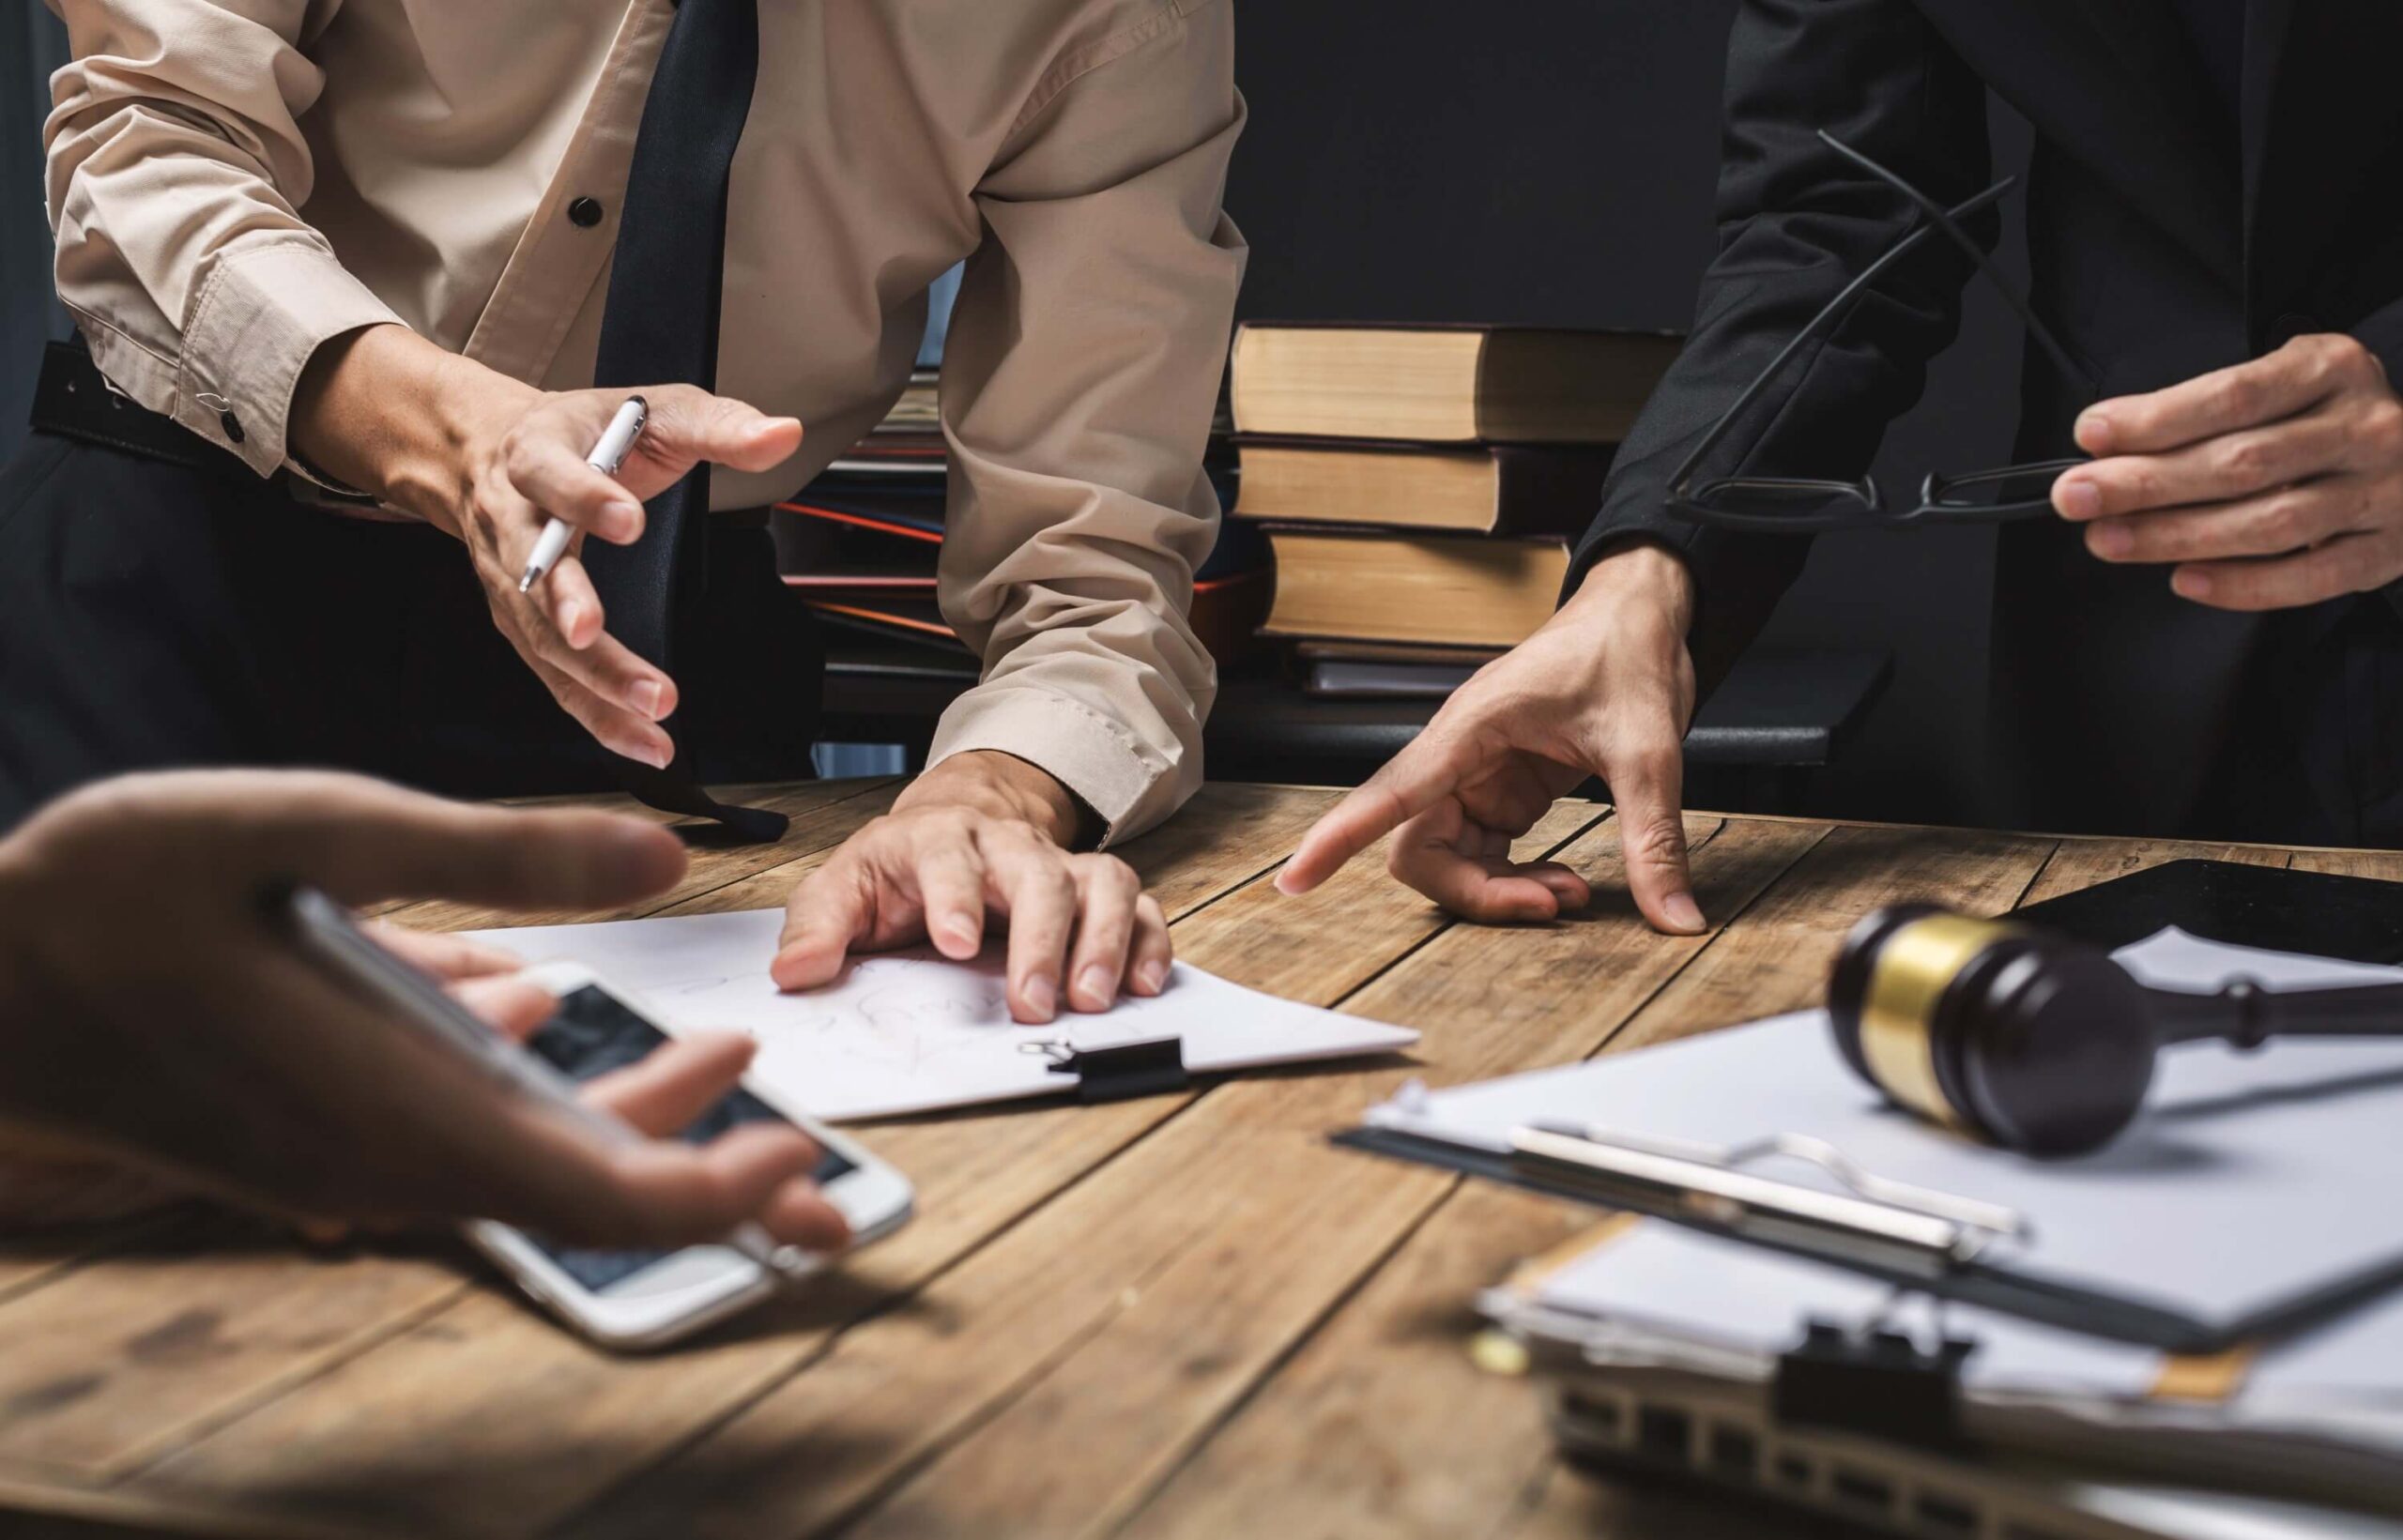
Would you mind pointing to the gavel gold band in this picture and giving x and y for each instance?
(1908, 977)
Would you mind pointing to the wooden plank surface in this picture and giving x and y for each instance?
(1789, 937)
(1185, 1316)
(1342, 1402)
(522, 1379)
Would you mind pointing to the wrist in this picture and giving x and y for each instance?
(1638, 573)
(385, 410)
(999, 785)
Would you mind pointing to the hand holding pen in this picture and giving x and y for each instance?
(617, 441)
(580, 464)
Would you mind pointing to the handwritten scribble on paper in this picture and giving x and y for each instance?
(909, 1030)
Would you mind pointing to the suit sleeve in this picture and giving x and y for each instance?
(1796, 223)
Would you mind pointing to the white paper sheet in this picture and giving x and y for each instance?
(2249, 1178)
(911, 1032)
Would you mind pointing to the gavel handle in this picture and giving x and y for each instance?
(2245, 1015)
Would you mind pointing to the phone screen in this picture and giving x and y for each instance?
(593, 1033)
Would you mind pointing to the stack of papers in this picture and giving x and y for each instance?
(911, 1032)
(2321, 1414)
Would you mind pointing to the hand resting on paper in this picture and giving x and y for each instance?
(983, 836)
(160, 1037)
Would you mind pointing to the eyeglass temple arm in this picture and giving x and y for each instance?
(1682, 482)
(1943, 220)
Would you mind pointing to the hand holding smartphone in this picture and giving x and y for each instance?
(619, 1298)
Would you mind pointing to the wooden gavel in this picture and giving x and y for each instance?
(2036, 1043)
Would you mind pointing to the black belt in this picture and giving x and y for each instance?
(72, 399)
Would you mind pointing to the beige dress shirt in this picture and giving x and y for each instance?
(234, 182)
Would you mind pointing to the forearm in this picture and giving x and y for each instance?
(387, 411)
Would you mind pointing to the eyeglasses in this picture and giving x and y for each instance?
(1800, 506)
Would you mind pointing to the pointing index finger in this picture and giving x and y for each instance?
(1410, 784)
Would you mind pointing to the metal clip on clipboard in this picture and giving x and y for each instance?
(1118, 1072)
(1872, 1380)
(1910, 1230)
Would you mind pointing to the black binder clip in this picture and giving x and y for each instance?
(1875, 1382)
(1120, 1071)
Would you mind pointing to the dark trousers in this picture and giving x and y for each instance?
(155, 615)
(2315, 753)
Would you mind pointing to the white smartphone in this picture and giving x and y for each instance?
(646, 1299)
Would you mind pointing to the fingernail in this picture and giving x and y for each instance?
(1684, 914)
(656, 757)
(2190, 585)
(644, 697)
(1042, 996)
(2110, 539)
(1153, 976)
(2094, 432)
(959, 934)
(2078, 499)
(626, 519)
(1096, 985)
(570, 613)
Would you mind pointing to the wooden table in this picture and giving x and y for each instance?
(1187, 1316)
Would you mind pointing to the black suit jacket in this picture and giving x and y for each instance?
(2161, 247)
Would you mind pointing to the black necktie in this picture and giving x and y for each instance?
(661, 329)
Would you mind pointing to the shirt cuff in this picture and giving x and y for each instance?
(260, 317)
(1129, 785)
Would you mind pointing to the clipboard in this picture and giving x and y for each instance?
(2256, 1216)
(1930, 1248)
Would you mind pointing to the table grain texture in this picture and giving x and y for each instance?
(1182, 1317)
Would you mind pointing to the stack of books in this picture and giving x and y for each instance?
(908, 445)
(861, 544)
(1420, 485)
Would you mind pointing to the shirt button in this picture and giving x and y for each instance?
(585, 212)
(232, 424)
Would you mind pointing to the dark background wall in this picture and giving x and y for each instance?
(1552, 162)
(1544, 162)
(32, 42)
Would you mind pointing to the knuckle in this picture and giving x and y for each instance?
(2342, 354)
(518, 459)
(1660, 840)
(2291, 520)
(2245, 457)
(2382, 426)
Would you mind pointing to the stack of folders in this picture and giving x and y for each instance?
(2196, 1332)
(1420, 485)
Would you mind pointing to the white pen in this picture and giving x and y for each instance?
(617, 442)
